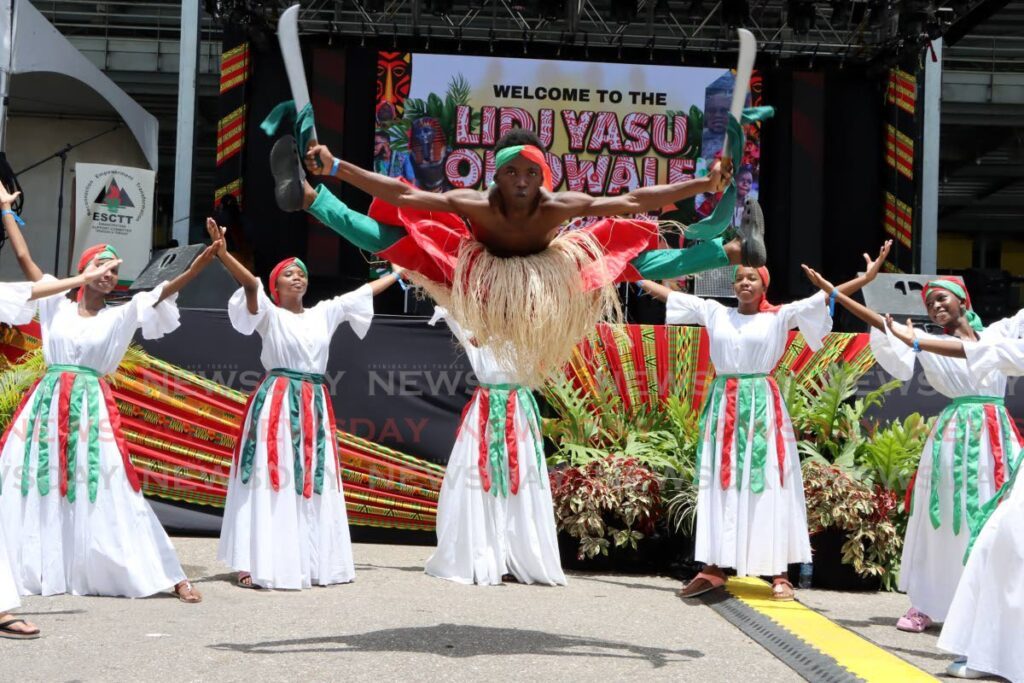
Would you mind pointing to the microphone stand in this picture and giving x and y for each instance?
(62, 154)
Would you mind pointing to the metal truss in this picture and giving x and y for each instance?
(859, 30)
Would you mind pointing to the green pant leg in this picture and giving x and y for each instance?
(360, 230)
(665, 264)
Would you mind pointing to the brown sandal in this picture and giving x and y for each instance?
(701, 584)
(782, 590)
(186, 592)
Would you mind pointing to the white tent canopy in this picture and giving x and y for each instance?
(29, 44)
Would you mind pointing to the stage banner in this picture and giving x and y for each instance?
(114, 205)
(606, 128)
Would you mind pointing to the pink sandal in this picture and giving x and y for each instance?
(701, 584)
(914, 621)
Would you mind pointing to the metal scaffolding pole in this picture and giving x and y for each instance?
(930, 161)
(185, 145)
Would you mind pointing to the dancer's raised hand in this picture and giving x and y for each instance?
(817, 280)
(7, 198)
(95, 270)
(872, 267)
(720, 176)
(905, 333)
(319, 160)
(216, 234)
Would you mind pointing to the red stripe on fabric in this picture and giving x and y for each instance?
(331, 437)
(611, 354)
(174, 385)
(67, 379)
(483, 412)
(307, 439)
(908, 498)
(17, 414)
(245, 421)
(636, 346)
(995, 440)
(780, 438)
(114, 416)
(702, 368)
(277, 398)
(512, 443)
(661, 361)
(729, 432)
(856, 344)
(177, 484)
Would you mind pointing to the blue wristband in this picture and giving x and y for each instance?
(17, 218)
(832, 303)
(917, 347)
(335, 166)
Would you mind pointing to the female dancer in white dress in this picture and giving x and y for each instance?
(285, 524)
(751, 514)
(987, 611)
(970, 453)
(73, 513)
(16, 309)
(495, 516)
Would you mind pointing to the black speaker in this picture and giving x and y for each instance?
(211, 289)
(899, 295)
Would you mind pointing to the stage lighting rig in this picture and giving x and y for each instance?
(735, 13)
(801, 16)
(624, 11)
(440, 7)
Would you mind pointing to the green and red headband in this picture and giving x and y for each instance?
(958, 289)
(100, 252)
(529, 152)
(280, 268)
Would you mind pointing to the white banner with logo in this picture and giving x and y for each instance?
(114, 205)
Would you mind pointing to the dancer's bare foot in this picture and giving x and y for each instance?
(186, 592)
(17, 629)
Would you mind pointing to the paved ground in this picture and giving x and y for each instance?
(395, 622)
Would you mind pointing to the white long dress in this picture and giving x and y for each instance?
(15, 309)
(286, 524)
(497, 519)
(987, 612)
(975, 450)
(83, 529)
(751, 514)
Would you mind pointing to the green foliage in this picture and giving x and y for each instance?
(613, 502)
(868, 516)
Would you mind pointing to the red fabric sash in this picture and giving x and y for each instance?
(511, 443)
(483, 412)
(67, 380)
(729, 432)
(307, 439)
(280, 386)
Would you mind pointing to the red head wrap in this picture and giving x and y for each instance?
(279, 268)
(766, 278)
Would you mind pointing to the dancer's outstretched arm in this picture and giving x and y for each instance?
(859, 310)
(319, 159)
(203, 260)
(32, 271)
(851, 287)
(658, 291)
(642, 199)
(44, 288)
(382, 283)
(941, 347)
(249, 283)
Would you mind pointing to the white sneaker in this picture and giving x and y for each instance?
(959, 669)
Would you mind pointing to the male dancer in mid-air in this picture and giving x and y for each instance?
(496, 258)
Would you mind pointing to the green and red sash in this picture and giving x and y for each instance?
(498, 459)
(305, 416)
(974, 415)
(69, 383)
(745, 397)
